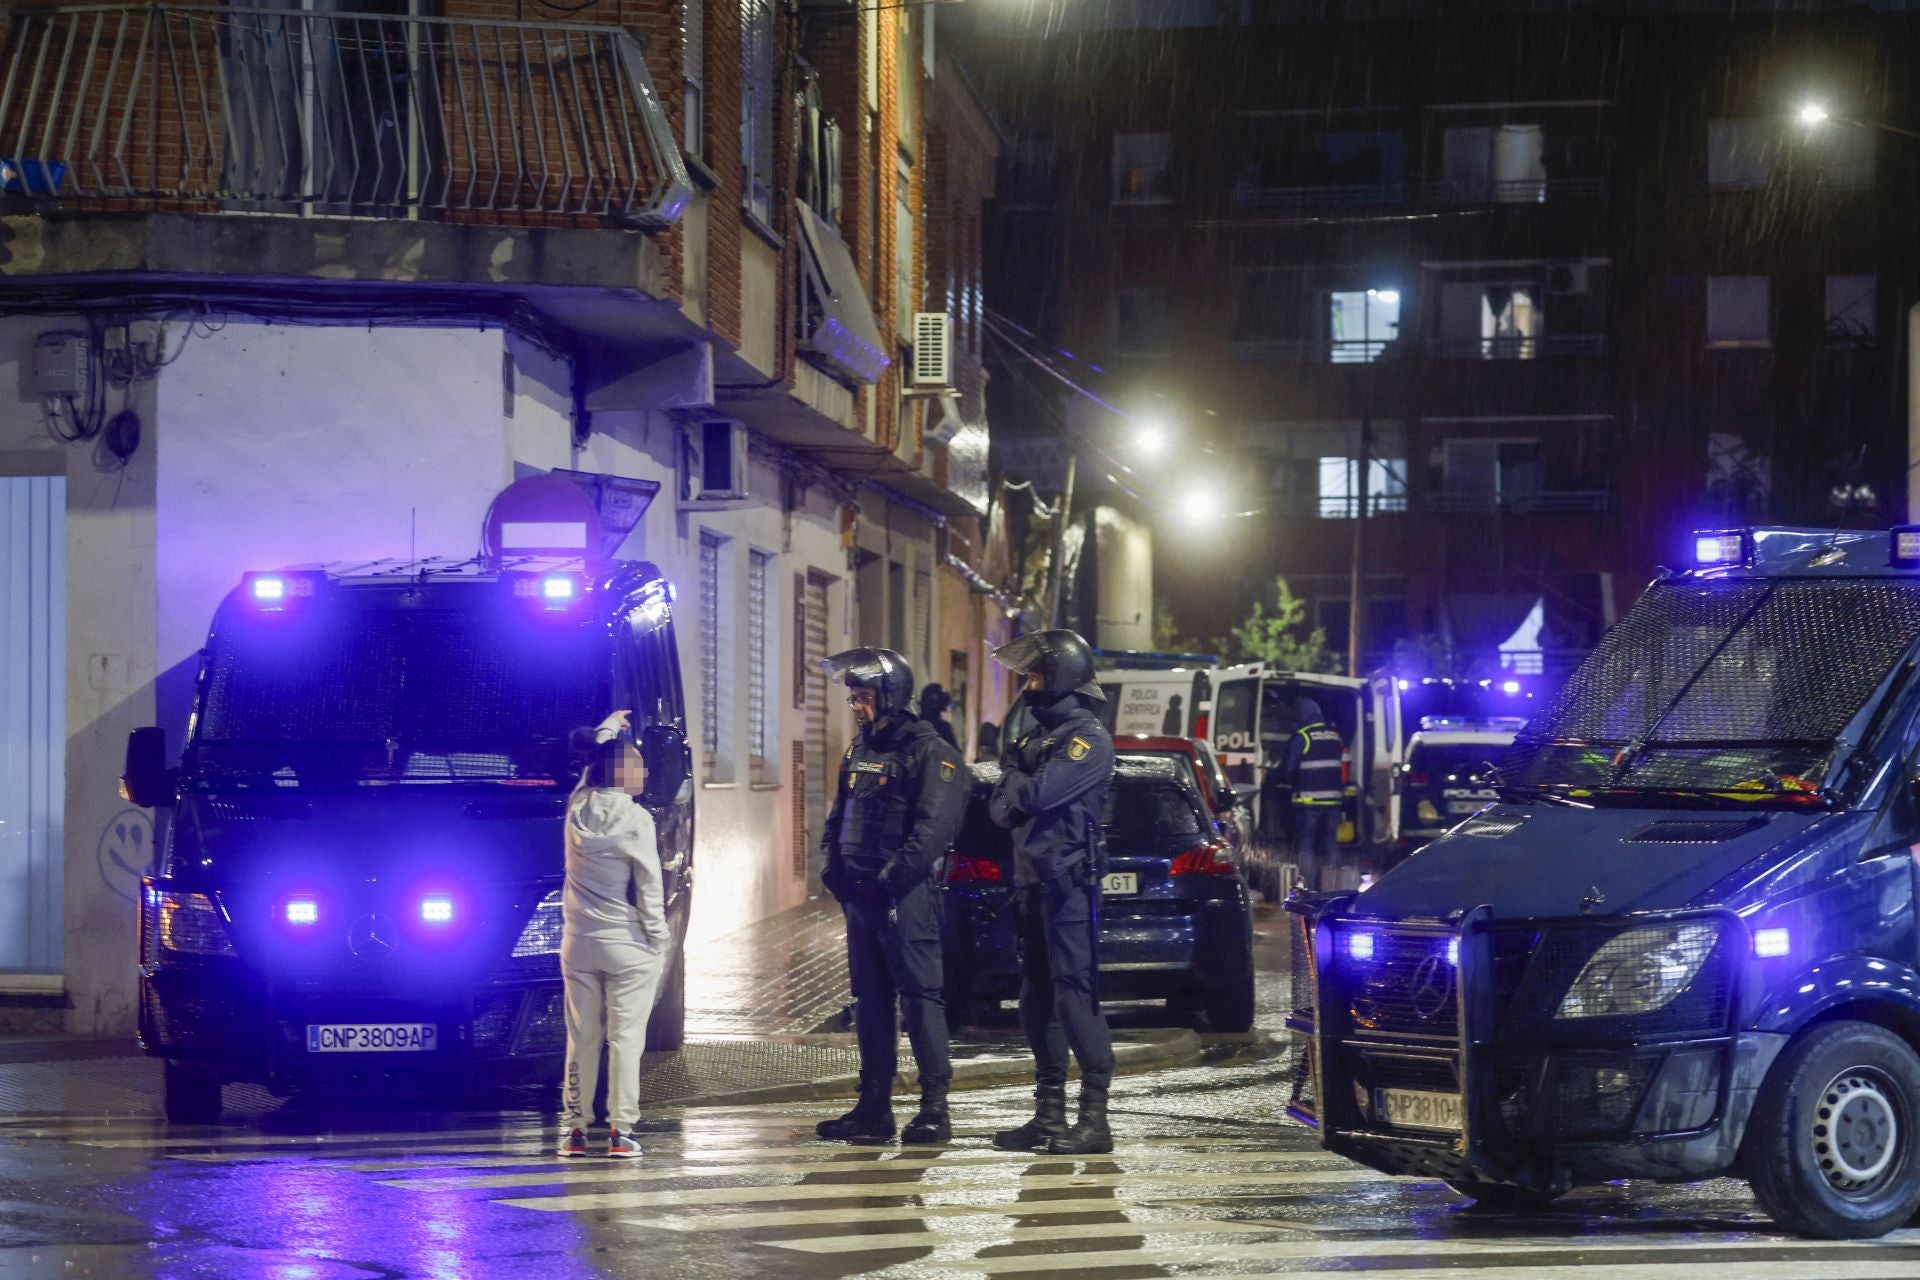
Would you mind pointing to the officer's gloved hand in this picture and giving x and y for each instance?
(899, 881)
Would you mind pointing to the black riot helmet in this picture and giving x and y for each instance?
(881, 670)
(1063, 659)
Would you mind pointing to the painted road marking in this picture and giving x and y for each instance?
(697, 1223)
(891, 1191)
(602, 1171)
(1802, 1270)
(882, 1241)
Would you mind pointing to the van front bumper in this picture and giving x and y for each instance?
(1519, 1097)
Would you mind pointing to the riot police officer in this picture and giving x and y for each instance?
(902, 794)
(1053, 783)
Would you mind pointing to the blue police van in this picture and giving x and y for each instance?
(358, 887)
(1682, 944)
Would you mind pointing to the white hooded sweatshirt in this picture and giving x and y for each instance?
(611, 843)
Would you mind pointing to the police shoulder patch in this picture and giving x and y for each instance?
(947, 769)
(1079, 749)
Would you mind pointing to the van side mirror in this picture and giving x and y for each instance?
(669, 764)
(1226, 798)
(147, 782)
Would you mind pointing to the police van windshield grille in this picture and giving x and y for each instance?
(1736, 686)
(345, 696)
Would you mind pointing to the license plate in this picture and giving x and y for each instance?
(1120, 882)
(1407, 1109)
(372, 1037)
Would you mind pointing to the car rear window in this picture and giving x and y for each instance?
(1141, 805)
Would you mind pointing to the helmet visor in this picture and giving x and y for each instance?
(1023, 655)
(865, 667)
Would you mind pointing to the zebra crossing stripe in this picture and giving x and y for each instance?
(1023, 1169)
(875, 1242)
(1607, 1270)
(1355, 1251)
(894, 1190)
(231, 1140)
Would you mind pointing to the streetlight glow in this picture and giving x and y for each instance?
(1813, 113)
(1388, 296)
(1150, 439)
(1198, 506)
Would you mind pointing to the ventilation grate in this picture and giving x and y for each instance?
(1692, 832)
(1489, 828)
(932, 349)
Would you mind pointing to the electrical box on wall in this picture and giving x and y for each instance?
(60, 365)
(713, 462)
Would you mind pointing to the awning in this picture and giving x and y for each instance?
(841, 333)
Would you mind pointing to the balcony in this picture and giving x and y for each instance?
(1519, 347)
(194, 109)
(1539, 502)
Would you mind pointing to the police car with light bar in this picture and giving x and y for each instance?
(1683, 943)
(359, 886)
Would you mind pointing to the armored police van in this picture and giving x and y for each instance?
(1682, 944)
(359, 886)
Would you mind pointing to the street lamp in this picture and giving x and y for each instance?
(1813, 113)
(1149, 437)
(1198, 506)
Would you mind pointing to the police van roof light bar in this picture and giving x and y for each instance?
(1722, 548)
(1904, 543)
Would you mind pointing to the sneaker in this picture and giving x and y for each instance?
(575, 1143)
(623, 1146)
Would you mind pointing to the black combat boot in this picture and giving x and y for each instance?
(871, 1119)
(1049, 1121)
(931, 1123)
(1089, 1135)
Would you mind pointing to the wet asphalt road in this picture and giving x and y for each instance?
(1207, 1180)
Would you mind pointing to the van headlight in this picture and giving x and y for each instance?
(183, 924)
(541, 937)
(1640, 971)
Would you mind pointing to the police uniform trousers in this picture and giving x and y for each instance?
(893, 958)
(1058, 979)
(1316, 830)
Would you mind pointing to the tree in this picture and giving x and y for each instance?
(1279, 638)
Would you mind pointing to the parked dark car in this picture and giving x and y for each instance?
(1176, 921)
(1223, 804)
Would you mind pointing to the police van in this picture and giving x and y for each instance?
(359, 882)
(1683, 943)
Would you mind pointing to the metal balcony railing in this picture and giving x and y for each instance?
(1523, 191)
(262, 110)
(1516, 347)
(1537, 502)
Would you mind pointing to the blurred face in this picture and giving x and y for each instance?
(630, 774)
(864, 705)
(1035, 682)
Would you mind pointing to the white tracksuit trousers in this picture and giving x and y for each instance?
(610, 985)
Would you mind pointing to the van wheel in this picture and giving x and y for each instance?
(1230, 1008)
(1500, 1197)
(667, 1025)
(188, 1096)
(1831, 1150)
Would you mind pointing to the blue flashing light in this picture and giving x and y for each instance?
(303, 911)
(1453, 951)
(1510, 687)
(1905, 541)
(1720, 548)
(557, 587)
(1360, 945)
(1769, 944)
(269, 588)
(437, 910)
(1403, 684)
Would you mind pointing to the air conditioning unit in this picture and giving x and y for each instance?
(1567, 277)
(932, 349)
(713, 462)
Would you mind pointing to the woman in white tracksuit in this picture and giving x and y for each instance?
(614, 940)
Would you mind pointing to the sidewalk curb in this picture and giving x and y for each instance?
(1160, 1050)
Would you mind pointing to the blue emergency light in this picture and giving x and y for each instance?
(1720, 548)
(1769, 944)
(437, 910)
(271, 591)
(1904, 540)
(303, 911)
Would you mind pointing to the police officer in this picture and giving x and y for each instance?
(1312, 768)
(1052, 785)
(901, 797)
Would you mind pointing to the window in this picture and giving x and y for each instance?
(1850, 310)
(1742, 154)
(1505, 164)
(758, 75)
(1140, 321)
(1140, 174)
(1491, 321)
(693, 44)
(906, 98)
(904, 292)
(1386, 486)
(1360, 324)
(716, 658)
(763, 661)
(1492, 475)
(1739, 311)
(1285, 162)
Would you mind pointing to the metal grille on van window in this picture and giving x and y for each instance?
(1489, 828)
(1685, 832)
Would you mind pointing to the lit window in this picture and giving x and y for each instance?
(762, 662)
(1386, 486)
(1360, 324)
(1850, 310)
(1739, 311)
(1140, 173)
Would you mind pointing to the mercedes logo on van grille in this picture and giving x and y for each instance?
(370, 938)
(1430, 990)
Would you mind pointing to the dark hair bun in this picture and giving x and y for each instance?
(581, 741)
